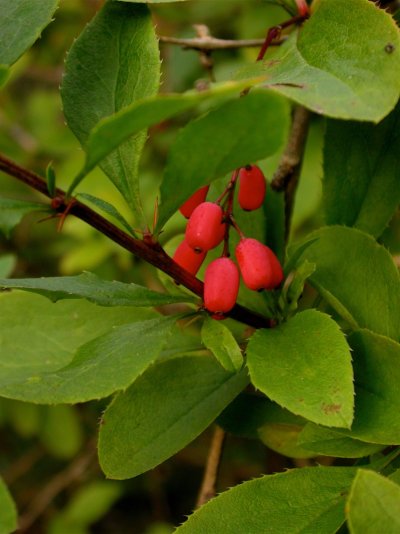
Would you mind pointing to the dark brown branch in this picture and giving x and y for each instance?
(287, 175)
(208, 486)
(146, 249)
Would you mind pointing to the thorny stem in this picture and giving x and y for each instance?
(208, 486)
(147, 249)
(275, 33)
(209, 43)
(286, 177)
(206, 59)
(229, 192)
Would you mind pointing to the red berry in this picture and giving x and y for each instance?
(259, 266)
(252, 186)
(221, 286)
(302, 8)
(197, 198)
(205, 229)
(187, 258)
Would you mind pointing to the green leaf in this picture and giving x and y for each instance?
(339, 64)
(357, 277)
(51, 179)
(362, 173)
(4, 73)
(21, 23)
(220, 341)
(294, 287)
(8, 511)
(7, 264)
(152, 1)
(255, 417)
(110, 132)
(88, 286)
(107, 208)
(231, 136)
(39, 337)
(327, 442)
(248, 413)
(113, 63)
(395, 476)
(108, 363)
(305, 366)
(307, 500)
(377, 377)
(164, 410)
(12, 211)
(373, 505)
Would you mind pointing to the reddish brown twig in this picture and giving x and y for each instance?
(147, 249)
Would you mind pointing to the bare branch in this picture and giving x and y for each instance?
(209, 43)
(208, 486)
(287, 175)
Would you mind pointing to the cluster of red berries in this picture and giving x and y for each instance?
(209, 224)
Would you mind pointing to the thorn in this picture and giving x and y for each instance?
(63, 215)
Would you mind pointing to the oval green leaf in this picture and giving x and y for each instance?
(40, 338)
(377, 377)
(362, 173)
(344, 62)
(328, 442)
(92, 288)
(357, 277)
(163, 411)
(21, 23)
(220, 341)
(113, 63)
(231, 136)
(307, 500)
(373, 505)
(102, 366)
(305, 366)
(110, 132)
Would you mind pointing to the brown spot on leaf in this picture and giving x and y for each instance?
(331, 408)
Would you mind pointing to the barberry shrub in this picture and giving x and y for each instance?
(307, 362)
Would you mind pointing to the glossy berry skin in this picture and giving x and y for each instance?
(252, 187)
(188, 259)
(205, 229)
(221, 286)
(302, 8)
(197, 198)
(259, 267)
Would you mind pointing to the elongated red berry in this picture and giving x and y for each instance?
(197, 198)
(259, 267)
(205, 229)
(221, 286)
(187, 258)
(302, 8)
(252, 187)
